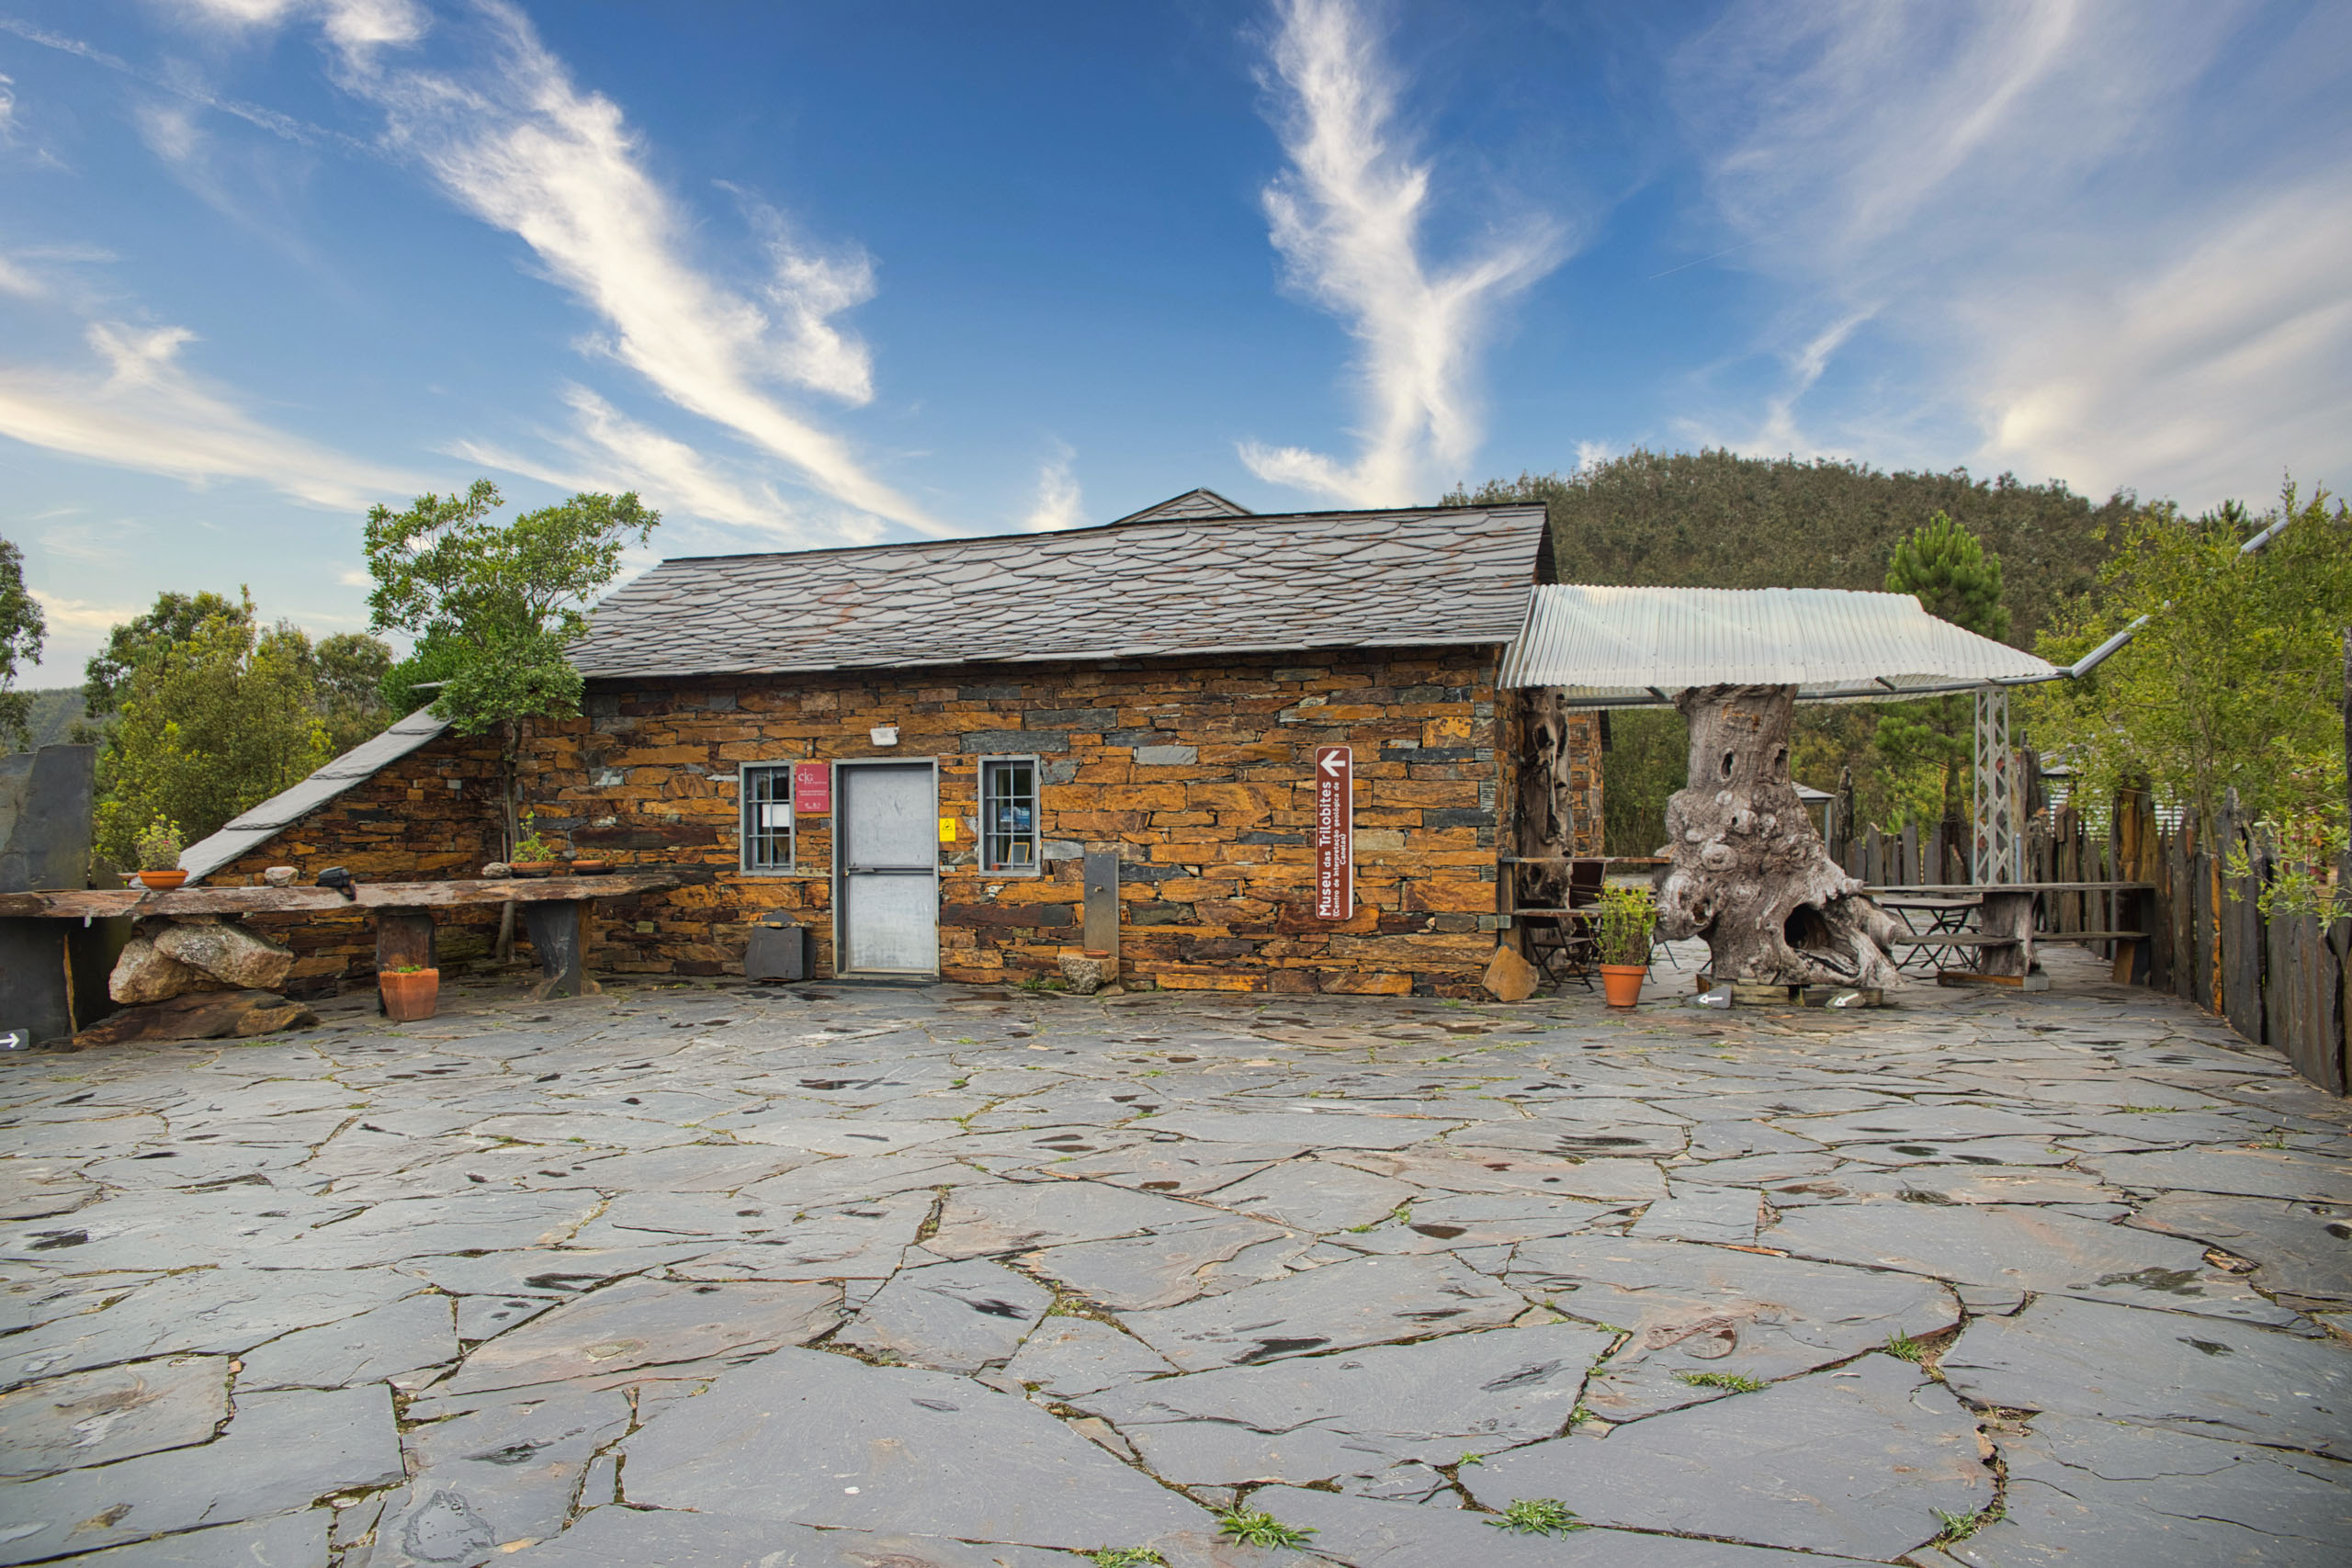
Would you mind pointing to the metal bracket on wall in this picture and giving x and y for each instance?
(1103, 901)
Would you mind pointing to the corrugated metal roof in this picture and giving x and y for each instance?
(265, 821)
(1624, 647)
(1160, 587)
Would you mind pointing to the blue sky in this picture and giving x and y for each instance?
(807, 274)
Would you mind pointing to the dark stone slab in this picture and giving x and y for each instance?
(1691, 1310)
(502, 1472)
(1451, 1222)
(2087, 1493)
(1067, 1357)
(1307, 1129)
(2025, 1248)
(2197, 1375)
(1358, 1413)
(2250, 1173)
(1851, 1465)
(2304, 1249)
(639, 1538)
(1370, 1534)
(280, 1454)
(646, 1322)
(1016, 1216)
(1336, 1307)
(1501, 1170)
(202, 1311)
(957, 1317)
(821, 1440)
(1315, 1196)
(289, 1541)
(399, 1338)
(1135, 1273)
(111, 1413)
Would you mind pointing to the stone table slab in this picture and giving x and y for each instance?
(1336, 1307)
(1853, 1465)
(2198, 1375)
(111, 1413)
(812, 1438)
(281, 1451)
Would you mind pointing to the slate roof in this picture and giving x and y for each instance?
(1192, 504)
(1157, 587)
(265, 821)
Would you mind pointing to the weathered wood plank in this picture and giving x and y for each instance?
(102, 902)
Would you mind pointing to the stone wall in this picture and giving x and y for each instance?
(1199, 777)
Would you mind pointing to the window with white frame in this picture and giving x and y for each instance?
(1009, 814)
(767, 817)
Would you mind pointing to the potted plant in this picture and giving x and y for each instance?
(1628, 920)
(534, 856)
(159, 849)
(411, 992)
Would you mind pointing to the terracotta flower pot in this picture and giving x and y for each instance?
(536, 867)
(591, 867)
(160, 881)
(410, 996)
(1621, 982)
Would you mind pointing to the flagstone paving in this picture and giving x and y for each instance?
(835, 1277)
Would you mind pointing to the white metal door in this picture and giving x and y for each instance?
(885, 848)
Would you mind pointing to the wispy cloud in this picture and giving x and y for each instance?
(523, 148)
(1346, 216)
(2087, 239)
(605, 450)
(1059, 505)
(146, 412)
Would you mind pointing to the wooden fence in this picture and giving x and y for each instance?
(2284, 980)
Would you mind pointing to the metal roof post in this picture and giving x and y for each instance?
(1997, 839)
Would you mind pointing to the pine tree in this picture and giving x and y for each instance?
(1955, 579)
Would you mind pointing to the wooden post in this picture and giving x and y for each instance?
(405, 940)
(555, 933)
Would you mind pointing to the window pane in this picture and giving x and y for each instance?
(1008, 816)
(767, 818)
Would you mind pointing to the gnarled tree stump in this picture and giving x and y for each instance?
(1749, 873)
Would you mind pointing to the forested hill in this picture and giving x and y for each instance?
(54, 713)
(1713, 519)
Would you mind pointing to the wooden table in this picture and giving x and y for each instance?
(552, 909)
(2005, 926)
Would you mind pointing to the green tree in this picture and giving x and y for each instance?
(351, 667)
(1948, 570)
(498, 606)
(208, 728)
(172, 621)
(22, 631)
(1714, 519)
(2235, 680)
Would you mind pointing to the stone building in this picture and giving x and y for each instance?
(971, 717)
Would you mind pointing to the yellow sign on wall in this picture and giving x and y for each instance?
(947, 829)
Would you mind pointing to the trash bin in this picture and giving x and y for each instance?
(778, 950)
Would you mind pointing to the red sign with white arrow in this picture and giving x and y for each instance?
(1335, 833)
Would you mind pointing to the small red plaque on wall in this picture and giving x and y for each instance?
(812, 789)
